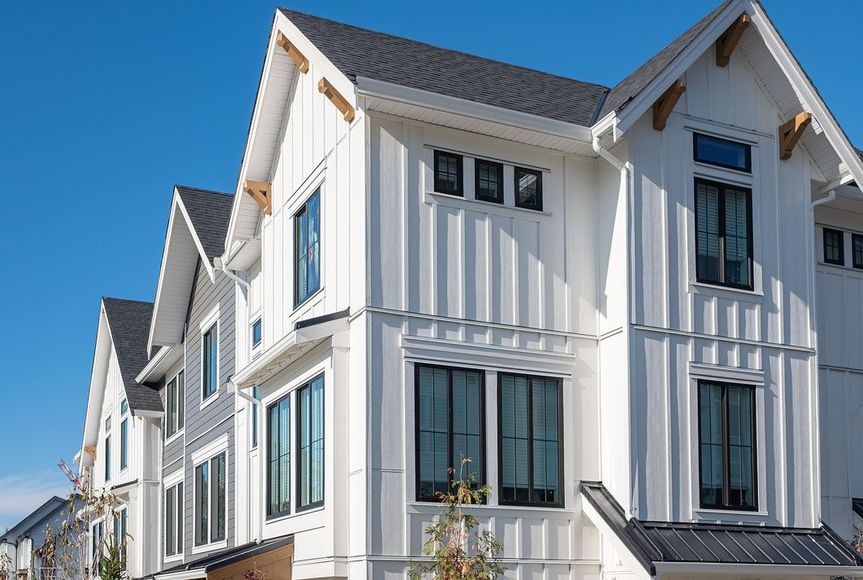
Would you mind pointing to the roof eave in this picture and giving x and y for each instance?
(783, 570)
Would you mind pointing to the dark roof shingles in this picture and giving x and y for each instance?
(210, 212)
(129, 322)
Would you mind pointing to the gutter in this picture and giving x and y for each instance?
(220, 265)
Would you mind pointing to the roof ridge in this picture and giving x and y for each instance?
(128, 300)
(202, 189)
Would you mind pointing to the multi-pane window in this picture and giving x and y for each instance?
(310, 444)
(210, 361)
(857, 247)
(528, 188)
(448, 173)
(124, 443)
(726, 436)
(256, 334)
(834, 247)
(723, 242)
(279, 458)
(722, 153)
(489, 181)
(210, 498)
(450, 426)
(174, 520)
(176, 395)
(530, 440)
(307, 249)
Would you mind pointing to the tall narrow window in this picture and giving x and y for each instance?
(489, 181)
(722, 153)
(307, 249)
(174, 520)
(175, 405)
(450, 407)
(531, 471)
(834, 247)
(528, 188)
(310, 444)
(726, 435)
(723, 243)
(120, 532)
(108, 450)
(279, 458)
(857, 246)
(96, 538)
(210, 361)
(448, 173)
(210, 489)
(255, 411)
(124, 443)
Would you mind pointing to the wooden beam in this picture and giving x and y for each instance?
(91, 451)
(293, 52)
(729, 39)
(261, 192)
(337, 99)
(665, 104)
(790, 133)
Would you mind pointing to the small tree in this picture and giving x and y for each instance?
(112, 566)
(458, 551)
(6, 566)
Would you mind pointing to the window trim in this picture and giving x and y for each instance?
(210, 544)
(209, 397)
(499, 166)
(538, 174)
(268, 488)
(726, 459)
(107, 443)
(178, 519)
(749, 225)
(854, 263)
(304, 207)
(124, 444)
(170, 436)
(748, 148)
(841, 260)
(561, 479)
(459, 190)
(483, 423)
(298, 507)
(258, 320)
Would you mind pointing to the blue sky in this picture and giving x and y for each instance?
(105, 105)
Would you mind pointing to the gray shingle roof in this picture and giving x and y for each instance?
(210, 212)
(33, 519)
(358, 52)
(129, 321)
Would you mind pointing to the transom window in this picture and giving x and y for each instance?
(210, 361)
(723, 153)
(450, 408)
(489, 181)
(174, 520)
(310, 444)
(857, 246)
(176, 397)
(307, 249)
(210, 500)
(279, 458)
(531, 435)
(528, 188)
(448, 173)
(726, 436)
(723, 242)
(834, 247)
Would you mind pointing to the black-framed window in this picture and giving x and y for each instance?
(256, 333)
(528, 188)
(176, 402)
(97, 538)
(450, 415)
(210, 358)
(723, 241)
(857, 250)
(124, 406)
(834, 247)
(124, 443)
(310, 444)
(531, 440)
(255, 395)
(121, 526)
(726, 438)
(307, 249)
(722, 152)
(279, 458)
(174, 520)
(448, 176)
(489, 180)
(108, 456)
(210, 496)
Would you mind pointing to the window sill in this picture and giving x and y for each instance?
(295, 514)
(306, 302)
(422, 506)
(708, 288)
(432, 197)
(220, 545)
(730, 515)
(174, 437)
(209, 400)
(175, 558)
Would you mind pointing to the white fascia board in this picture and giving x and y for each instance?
(454, 105)
(200, 247)
(161, 281)
(151, 370)
(98, 377)
(734, 570)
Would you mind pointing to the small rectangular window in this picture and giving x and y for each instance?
(124, 444)
(123, 407)
(108, 458)
(448, 173)
(723, 153)
(210, 361)
(489, 181)
(279, 458)
(723, 241)
(210, 489)
(857, 245)
(174, 520)
(834, 247)
(175, 405)
(528, 188)
(256, 334)
(307, 249)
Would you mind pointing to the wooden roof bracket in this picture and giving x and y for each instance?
(665, 104)
(728, 41)
(261, 192)
(293, 52)
(790, 133)
(90, 450)
(337, 99)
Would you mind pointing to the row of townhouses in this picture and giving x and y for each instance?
(637, 309)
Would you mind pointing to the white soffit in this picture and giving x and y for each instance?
(98, 379)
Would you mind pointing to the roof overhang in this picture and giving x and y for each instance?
(98, 380)
(231, 562)
(161, 363)
(665, 569)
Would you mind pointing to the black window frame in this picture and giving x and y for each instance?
(260, 330)
(175, 392)
(439, 184)
(212, 487)
(175, 520)
(297, 218)
(272, 514)
(749, 242)
(209, 350)
(841, 237)
(499, 169)
(482, 461)
(527, 171)
(298, 444)
(747, 168)
(856, 261)
(124, 444)
(108, 456)
(726, 457)
(561, 479)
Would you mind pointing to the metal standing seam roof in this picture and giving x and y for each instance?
(210, 212)
(655, 542)
(228, 556)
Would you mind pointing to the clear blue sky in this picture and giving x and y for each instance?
(105, 105)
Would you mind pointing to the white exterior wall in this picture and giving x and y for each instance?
(682, 330)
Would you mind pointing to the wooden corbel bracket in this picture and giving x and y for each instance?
(790, 133)
(91, 451)
(293, 52)
(337, 99)
(729, 39)
(665, 104)
(261, 192)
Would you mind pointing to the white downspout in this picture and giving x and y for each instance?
(831, 195)
(256, 406)
(220, 265)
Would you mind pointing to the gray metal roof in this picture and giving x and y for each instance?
(222, 558)
(358, 52)
(210, 212)
(654, 542)
(129, 321)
